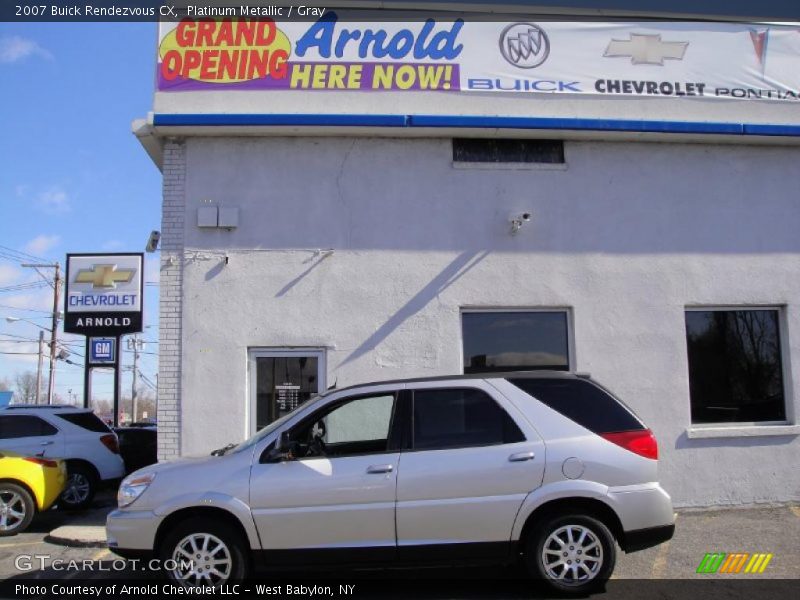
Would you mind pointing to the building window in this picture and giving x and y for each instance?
(515, 340)
(735, 366)
(469, 150)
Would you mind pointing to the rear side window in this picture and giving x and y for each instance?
(88, 421)
(460, 418)
(583, 402)
(20, 426)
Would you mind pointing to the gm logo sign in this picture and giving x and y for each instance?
(102, 350)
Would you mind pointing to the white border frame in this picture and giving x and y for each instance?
(571, 355)
(320, 353)
(747, 428)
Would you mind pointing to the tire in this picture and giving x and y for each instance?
(576, 568)
(185, 542)
(16, 509)
(80, 489)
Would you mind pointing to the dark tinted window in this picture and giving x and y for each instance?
(88, 421)
(508, 151)
(19, 426)
(453, 418)
(515, 341)
(735, 368)
(583, 402)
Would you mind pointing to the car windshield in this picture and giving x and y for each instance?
(262, 433)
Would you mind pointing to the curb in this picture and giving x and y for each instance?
(73, 542)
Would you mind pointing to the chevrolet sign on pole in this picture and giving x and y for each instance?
(104, 294)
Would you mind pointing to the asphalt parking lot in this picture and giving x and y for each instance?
(775, 530)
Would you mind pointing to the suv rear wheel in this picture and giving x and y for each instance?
(204, 553)
(80, 489)
(16, 508)
(572, 554)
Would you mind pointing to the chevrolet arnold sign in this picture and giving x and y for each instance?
(104, 294)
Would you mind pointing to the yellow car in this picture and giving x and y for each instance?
(28, 484)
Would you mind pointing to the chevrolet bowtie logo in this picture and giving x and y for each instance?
(104, 276)
(646, 49)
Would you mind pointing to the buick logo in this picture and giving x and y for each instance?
(524, 45)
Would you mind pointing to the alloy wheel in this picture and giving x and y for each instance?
(78, 488)
(202, 559)
(572, 555)
(12, 510)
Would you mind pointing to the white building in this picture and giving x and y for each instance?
(313, 237)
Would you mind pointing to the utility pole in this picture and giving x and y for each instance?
(54, 331)
(134, 343)
(39, 367)
(53, 334)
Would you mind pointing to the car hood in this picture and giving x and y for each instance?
(178, 463)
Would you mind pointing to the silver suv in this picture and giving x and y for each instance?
(544, 467)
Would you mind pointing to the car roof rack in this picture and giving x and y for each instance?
(43, 406)
(515, 374)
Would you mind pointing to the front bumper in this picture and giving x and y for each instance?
(132, 530)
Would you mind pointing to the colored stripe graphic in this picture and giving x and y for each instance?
(734, 562)
(758, 563)
(711, 562)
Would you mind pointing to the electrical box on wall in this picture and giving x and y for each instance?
(228, 217)
(207, 216)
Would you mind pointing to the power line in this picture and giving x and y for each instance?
(46, 312)
(23, 256)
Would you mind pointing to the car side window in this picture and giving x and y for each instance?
(460, 418)
(20, 426)
(358, 426)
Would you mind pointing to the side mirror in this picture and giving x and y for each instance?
(282, 451)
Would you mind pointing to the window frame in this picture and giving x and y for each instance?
(746, 428)
(568, 310)
(255, 352)
(410, 441)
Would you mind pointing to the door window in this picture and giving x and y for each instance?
(20, 426)
(359, 426)
(460, 418)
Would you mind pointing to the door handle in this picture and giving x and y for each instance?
(47, 443)
(373, 469)
(521, 456)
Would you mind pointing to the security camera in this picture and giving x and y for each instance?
(517, 220)
(152, 241)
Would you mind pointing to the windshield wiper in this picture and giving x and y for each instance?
(223, 450)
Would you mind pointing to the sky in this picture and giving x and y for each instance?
(73, 178)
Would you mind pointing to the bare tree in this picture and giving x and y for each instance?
(25, 392)
(5, 385)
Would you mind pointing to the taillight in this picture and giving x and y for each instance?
(641, 442)
(110, 441)
(41, 461)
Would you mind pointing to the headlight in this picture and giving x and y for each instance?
(132, 487)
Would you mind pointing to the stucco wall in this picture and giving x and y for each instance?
(625, 237)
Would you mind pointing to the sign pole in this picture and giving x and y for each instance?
(87, 375)
(116, 383)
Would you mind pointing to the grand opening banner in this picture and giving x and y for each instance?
(631, 59)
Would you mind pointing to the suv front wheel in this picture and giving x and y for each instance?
(573, 554)
(204, 553)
